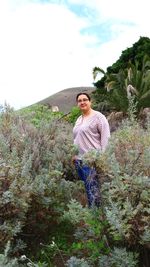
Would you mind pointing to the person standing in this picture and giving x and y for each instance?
(90, 132)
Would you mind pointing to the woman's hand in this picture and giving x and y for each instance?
(74, 158)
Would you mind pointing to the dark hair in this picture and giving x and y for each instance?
(89, 98)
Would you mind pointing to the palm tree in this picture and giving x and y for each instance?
(119, 87)
(113, 93)
(140, 82)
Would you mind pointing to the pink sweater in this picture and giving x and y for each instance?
(91, 133)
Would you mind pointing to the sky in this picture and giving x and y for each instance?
(50, 45)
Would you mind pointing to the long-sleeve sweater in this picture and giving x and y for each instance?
(91, 133)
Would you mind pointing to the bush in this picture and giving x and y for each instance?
(126, 194)
(34, 181)
(41, 198)
(73, 115)
(124, 218)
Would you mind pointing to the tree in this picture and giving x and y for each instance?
(132, 54)
(118, 87)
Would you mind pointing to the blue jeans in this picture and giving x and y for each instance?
(90, 178)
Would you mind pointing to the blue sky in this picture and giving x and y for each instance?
(47, 46)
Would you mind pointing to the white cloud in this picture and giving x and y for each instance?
(42, 50)
(136, 11)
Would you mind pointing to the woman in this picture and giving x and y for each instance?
(91, 131)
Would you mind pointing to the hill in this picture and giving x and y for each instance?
(65, 99)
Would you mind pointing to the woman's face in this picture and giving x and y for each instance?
(83, 103)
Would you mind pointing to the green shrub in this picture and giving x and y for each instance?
(126, 186)
(73, 115)
(41, 198)
(119, 258)
(34, 182)
(124, 218)
(37, 113)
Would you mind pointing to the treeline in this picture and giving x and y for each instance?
(129, 75)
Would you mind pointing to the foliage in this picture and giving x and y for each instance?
(75, 262)
(5, 261)
(59, 244)
(73, 115)
(42, 213)
(122, 226)
(138, 80)
(126, 195)
(90, 239)
(119, 258)
(75, 212)
(131, 70)
(37, 113)
(132, 54)
(34, 188)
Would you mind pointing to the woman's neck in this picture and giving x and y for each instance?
(88, 113)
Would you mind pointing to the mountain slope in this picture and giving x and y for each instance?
(66, 98)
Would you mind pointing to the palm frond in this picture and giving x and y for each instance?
(97, 71)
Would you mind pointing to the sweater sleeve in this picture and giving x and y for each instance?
(104, 130)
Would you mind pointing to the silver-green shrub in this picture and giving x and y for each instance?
(36, 176)
(119, 258)
(123, 222)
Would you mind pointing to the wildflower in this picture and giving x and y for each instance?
(23, 257)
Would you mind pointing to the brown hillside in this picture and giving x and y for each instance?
(65, 99)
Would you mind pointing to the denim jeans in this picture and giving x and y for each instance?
(90, 178)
